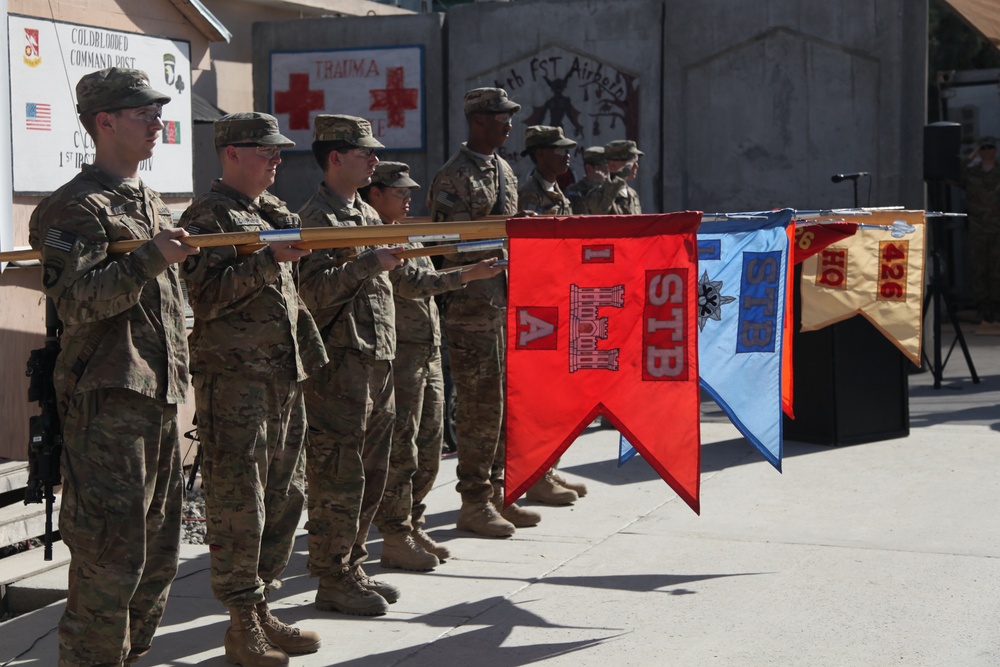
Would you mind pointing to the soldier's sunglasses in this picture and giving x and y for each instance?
(267, 152)
(147, 114)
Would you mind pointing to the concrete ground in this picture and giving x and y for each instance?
(885, 553)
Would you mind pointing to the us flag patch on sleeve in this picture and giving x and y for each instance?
(445, 201)
(60, 239)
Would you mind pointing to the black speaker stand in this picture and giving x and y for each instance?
(936, 290)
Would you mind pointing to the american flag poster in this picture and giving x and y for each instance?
(38, 116)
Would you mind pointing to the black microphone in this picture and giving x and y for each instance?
(837, 178)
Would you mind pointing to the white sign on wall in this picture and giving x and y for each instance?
(6, 206)
(383, 85)
(47, 59)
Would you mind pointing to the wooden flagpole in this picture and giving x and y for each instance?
(323, 237)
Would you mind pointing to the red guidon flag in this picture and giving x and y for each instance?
(602, 319)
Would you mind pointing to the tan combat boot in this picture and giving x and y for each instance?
(401, 552)
(292, 641)
(521, 517)
(547, 490)
(579, 487)
(483, 519)
(427, 542)
(388, 592)
(342, 592)
(245, 642)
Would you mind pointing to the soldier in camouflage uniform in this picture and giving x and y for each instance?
(252, 346)
(981, 180)
(595, 167)
(476, 182)
(119, 378)
(549, 151)
(418, 434)
(350, 402)
(614, 196)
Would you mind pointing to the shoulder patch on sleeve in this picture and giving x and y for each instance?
(53, 269)
(445, 201)
(60, 239)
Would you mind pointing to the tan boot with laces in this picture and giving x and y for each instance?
(521, 517)
(342, 592)
(292, 641)
(579, 487)
(245, 642)
(483, 519)
(547, 490)
(401, 552)
(427, 542)
(388, 592)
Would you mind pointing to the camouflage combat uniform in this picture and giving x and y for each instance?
(120, 376)
(982, 191)
(612, 197)
(252, 346)
(418, 433)
(350, 402)
(533, 196)
(578, 192)
(465, 188)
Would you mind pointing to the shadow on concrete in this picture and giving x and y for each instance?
(473, 646)
(191, 602)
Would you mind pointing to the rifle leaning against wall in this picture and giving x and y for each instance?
(45, 433)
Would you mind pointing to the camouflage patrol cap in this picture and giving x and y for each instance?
(545, 136)
(249, 127)
(349, 129)
(988, 141)
(621, 149)
(489, 100)
(115, 88)
(393, 175)
(594, 155)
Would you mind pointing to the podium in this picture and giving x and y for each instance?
(851, 384)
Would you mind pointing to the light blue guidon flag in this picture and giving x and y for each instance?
(742, 268)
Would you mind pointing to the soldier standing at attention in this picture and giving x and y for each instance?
(252, 346)
(350, 402)
(614, 196)
(418, 434)
(595, 168)
(119, 378)
(549, 152)
(473, 183)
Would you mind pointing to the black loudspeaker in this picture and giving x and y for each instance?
(851, 385)
(942, 151)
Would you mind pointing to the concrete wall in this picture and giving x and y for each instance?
(592, 67)
(738, 105)
(299, 174)
(765, 101)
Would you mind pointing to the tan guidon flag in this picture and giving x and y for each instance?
(872, 273)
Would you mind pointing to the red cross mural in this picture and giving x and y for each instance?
(394, 98)
(298, 101)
